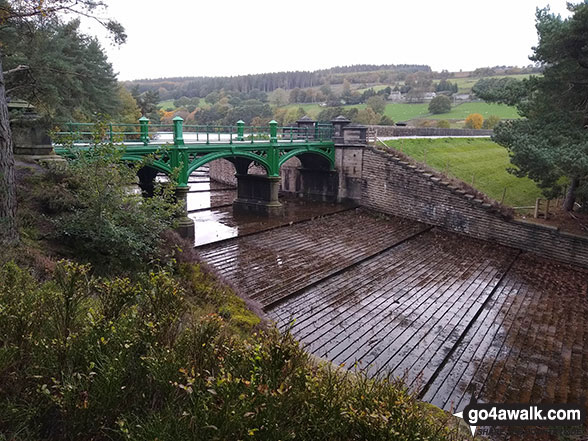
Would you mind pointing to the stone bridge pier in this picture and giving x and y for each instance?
(309, 176)
(306, 175)
(255, 193)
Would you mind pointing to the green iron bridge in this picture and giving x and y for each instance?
(177, 150)
(191, 146)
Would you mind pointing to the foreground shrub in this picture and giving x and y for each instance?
(106, 223)
(99, 359)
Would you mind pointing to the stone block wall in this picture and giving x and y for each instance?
(393, 186)
(223, 171)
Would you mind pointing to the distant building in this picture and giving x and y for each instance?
(395, 96)
(461, 97)
(429, 96)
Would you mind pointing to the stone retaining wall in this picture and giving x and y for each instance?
(393, 186)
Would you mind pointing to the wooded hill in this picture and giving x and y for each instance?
(172, 88)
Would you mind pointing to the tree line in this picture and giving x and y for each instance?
(173, 88)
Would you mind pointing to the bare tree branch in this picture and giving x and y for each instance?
(18, 68)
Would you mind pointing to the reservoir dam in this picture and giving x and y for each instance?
(450, 313)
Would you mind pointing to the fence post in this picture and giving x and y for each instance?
(240, 130)
(546, 209)
(144, 121)
(536, 213)
(503, 196)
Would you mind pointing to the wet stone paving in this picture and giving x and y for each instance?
(450, 314)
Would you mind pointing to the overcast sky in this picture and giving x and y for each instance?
(221, 37)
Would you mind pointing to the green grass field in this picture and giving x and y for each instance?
(464, 85)
(169, 104)
(482, 159)
(405, 112)
(461, 111)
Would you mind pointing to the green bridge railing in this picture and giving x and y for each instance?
(187, 147)
(146, 133)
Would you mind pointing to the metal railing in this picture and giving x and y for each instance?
(158, 134)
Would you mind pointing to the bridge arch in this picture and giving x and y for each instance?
(155, 164)
(301, 152)
(227, 155)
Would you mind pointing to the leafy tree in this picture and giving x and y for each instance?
(248, 110)
(367, 116)
(330, 113)
(440, 104)
(446, 86)
(377, 104)
(550, 144)
(367, 94)
(68, 75)
(384, 92)
(147, 102)
(129, 110)
(504, 90)
(474, 121)
(386, 121)
(213, 97)
(279, 97)
(16, 17)
(491, 122)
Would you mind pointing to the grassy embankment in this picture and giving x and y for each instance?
(471, 159)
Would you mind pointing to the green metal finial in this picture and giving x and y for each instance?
(144, 122)
(240, 130)
(273, 131)
(178, 130)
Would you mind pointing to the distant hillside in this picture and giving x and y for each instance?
(173, 88)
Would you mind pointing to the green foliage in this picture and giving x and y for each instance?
(505, 90)
(440, 104)
(330, 113)
(129, 111)
(148, 103)
(491, 122)
(69, 78)
(474, 121)
(487, 162)
(443, 124)
(446, 86)
(551, 145)
(109, 225)
(386, 121)
(367, 116)
(87, 358)
(377, 104)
